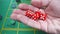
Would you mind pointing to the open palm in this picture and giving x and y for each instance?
(50, 25)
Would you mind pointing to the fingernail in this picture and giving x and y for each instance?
(14, 16)
(19, 16)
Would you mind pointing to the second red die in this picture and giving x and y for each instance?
(38, 14)
(34, 17)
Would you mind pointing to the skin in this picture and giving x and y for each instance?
(51, 25)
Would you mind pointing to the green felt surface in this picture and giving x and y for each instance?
(19, 28)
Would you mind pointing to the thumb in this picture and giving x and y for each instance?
(40, 3)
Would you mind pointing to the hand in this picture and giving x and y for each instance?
(50, 25)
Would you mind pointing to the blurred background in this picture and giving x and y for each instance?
(9, 26)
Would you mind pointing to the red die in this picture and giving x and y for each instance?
(43, 16)
(35, 17)
(38, 14)
(29, 13)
